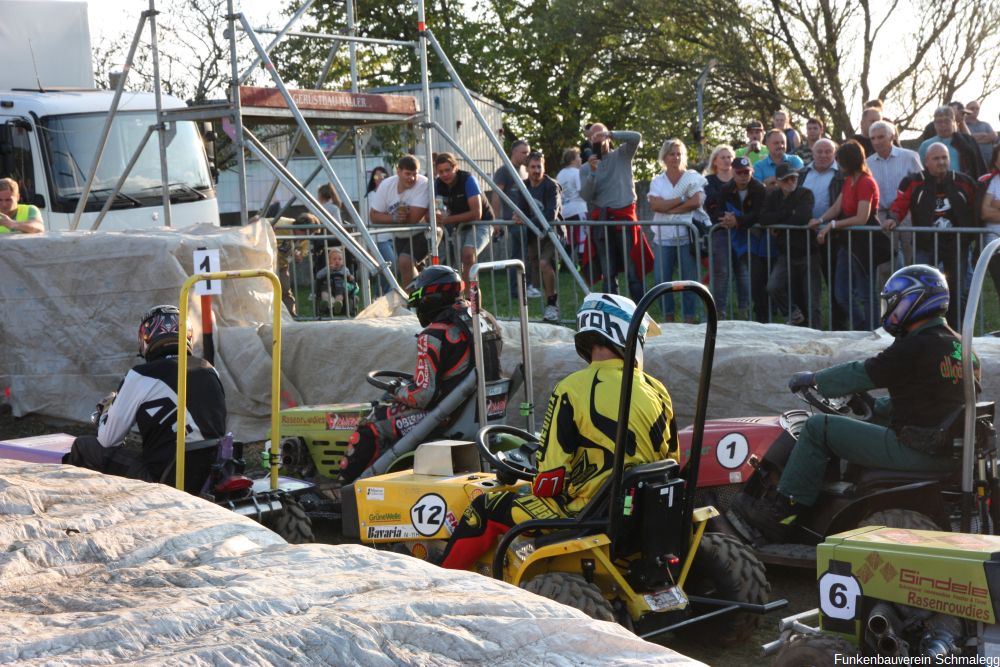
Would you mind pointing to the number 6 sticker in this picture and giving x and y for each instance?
(427, 514)
(839, 595)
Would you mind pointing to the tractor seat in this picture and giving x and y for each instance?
(597, 508)
(198, 461)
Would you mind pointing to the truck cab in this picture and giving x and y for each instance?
(48, 140)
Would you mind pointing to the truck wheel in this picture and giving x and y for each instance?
(814, 651)
(726, 569)
(292, 523)
(573, 591)
(897, 518)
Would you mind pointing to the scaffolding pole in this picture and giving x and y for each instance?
(161, 128)
(428, 36)
(425, 96)
(236, 113)
(102, 143)
(314, 145)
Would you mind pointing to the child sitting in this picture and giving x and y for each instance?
(333, 282)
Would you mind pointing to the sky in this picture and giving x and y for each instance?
(112, 17)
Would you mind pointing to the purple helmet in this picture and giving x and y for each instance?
(911, 294)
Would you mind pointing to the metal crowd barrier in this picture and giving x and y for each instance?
(769, 284)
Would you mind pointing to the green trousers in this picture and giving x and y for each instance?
(869, 445)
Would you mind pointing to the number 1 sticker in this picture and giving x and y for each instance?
(427, 514)
(732, 450)
(206, 260)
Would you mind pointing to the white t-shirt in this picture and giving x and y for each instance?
(689, 185)
(572, 203)
(387, 198)
(994, 189)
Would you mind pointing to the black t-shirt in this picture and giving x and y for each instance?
(923, 373)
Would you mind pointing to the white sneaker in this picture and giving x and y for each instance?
(551, 314)
(532, 292)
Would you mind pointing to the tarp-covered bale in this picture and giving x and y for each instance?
(102, 570)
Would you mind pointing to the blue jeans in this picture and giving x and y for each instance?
(517, 248)
(850, 290)
(387, 249)
(726, 266)
(667, 258)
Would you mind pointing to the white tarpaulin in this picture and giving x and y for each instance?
(102, 570)
(70, 304)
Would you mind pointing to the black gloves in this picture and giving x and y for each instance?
(802, 380)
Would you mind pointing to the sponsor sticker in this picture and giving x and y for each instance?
(670, 598)
(397, 532)
(336, 422)
(375, 493)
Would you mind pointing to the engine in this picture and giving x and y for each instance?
(900, 631)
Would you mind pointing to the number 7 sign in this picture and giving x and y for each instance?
(206, 260)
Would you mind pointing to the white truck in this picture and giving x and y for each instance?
(51, 119)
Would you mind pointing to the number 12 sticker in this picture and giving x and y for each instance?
(206, 260)
(428, 513)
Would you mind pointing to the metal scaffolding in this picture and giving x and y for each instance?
(365, 251)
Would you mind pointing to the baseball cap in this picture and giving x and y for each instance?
(742, 163)
(784, 170)
(755, 125)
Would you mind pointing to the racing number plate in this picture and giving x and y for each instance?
(668, 598)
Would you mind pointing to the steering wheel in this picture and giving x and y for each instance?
(859, 405)
(388, 380)
(516, 460)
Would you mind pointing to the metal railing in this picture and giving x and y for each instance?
(759, 274)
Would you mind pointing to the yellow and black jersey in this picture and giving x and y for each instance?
(578, 434)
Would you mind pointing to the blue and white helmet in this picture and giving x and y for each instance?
(911, 294)
(609, 316)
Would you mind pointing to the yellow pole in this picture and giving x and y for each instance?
(182, 365)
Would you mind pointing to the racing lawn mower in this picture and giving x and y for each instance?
(910, 594)
(926, 596)
(755, 450)
(638, 553)
(212, 469)
(314, 437)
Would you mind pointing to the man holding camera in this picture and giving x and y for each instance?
(755, 150)
(607, 185)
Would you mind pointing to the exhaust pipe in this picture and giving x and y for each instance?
(883, 623)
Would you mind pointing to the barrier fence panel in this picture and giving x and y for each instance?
(761, 274)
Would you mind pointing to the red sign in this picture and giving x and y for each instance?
(329, 100)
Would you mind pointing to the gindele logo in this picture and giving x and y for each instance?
(948, 585)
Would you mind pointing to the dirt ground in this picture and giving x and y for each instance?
(797, 586)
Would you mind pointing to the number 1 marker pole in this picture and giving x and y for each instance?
(207, 341)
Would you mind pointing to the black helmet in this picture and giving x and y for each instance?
(912, 294)
(159, 328)
(434, 290)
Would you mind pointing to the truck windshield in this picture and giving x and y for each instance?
(71, 143)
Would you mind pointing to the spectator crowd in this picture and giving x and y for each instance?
(768, 225)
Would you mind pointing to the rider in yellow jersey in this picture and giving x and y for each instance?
(578, 434)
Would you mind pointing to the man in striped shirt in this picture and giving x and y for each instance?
(889, 164)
